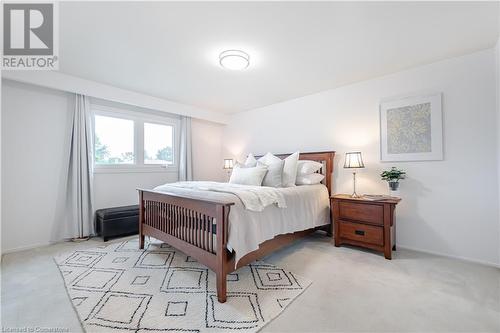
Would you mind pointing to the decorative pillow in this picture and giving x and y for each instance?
(290, 170)
(269, 159)
(274, 173)
(250, 161)
(312, 179)
(306, 167)
(248, 176)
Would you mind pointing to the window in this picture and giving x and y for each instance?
(127, 141)
(114, 140)
(158, 145)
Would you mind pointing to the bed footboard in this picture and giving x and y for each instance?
(188, 225)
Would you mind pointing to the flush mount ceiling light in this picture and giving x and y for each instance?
(235, 60)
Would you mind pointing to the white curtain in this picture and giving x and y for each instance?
(185, 148)
(79, 194)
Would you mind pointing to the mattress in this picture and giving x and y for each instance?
(307, 206)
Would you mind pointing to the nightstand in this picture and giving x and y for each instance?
(366, 223)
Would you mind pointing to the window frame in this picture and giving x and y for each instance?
(139, 118)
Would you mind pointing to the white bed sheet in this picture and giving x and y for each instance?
(308, 206)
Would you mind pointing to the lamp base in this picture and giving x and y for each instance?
(354, 194)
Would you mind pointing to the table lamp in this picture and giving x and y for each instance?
(353, 160)
(228, 165)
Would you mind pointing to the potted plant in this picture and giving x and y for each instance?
(393, 177)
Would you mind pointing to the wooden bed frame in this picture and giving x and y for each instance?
(188, 225)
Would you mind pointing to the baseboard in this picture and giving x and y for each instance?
(24, 248)
(481, 262)
(34, 246)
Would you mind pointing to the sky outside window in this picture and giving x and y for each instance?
(114, 140)
(158, 145)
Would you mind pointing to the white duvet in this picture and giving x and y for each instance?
(302, 207)
(254, 198)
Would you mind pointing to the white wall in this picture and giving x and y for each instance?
(497, 57)
(35, 138)
(0, 181)
(207, 150)
(119, 189)
(449, 207)
(64, 82)
(35, 146)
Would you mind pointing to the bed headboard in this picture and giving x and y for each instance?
(325, 158)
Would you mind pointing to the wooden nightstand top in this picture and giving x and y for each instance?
(393, 200)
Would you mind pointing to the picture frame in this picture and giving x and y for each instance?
(411, 129)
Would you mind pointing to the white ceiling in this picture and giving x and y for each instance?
(170, 50)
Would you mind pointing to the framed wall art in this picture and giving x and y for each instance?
(411, 129)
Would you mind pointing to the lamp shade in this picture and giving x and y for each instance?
(228, 163)
(353, 160)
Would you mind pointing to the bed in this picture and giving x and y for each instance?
(213, 228)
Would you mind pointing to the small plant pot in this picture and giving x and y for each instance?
(393, 186)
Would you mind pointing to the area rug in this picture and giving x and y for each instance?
(118, 288)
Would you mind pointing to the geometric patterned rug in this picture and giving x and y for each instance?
(118, 288)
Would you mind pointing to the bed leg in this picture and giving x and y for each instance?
(141, 220)
(221, 287)
(222, 261)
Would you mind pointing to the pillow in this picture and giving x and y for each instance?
(312, 179)
(274, 173)
(306, 167)
(250, 161)
(269, 159)
(290, 170)
(248, 176)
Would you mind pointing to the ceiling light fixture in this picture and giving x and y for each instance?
(235, 60)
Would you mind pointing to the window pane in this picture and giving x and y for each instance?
(158, 144)
(114, 140)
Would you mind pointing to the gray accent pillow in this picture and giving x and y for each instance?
(274, 175)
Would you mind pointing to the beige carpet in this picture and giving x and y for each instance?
(116, 287)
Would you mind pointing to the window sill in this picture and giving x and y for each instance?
(134, 169)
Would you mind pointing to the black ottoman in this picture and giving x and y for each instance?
(117, 221)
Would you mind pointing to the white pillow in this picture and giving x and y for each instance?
(250, 161)
(306, 167)
(274, 173)
(290, 170)
(248, 176)
(269, 159)
(311, 179)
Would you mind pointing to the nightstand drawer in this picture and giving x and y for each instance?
(361, 233)
(361, 212)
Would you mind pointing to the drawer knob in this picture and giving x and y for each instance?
(359, 232)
